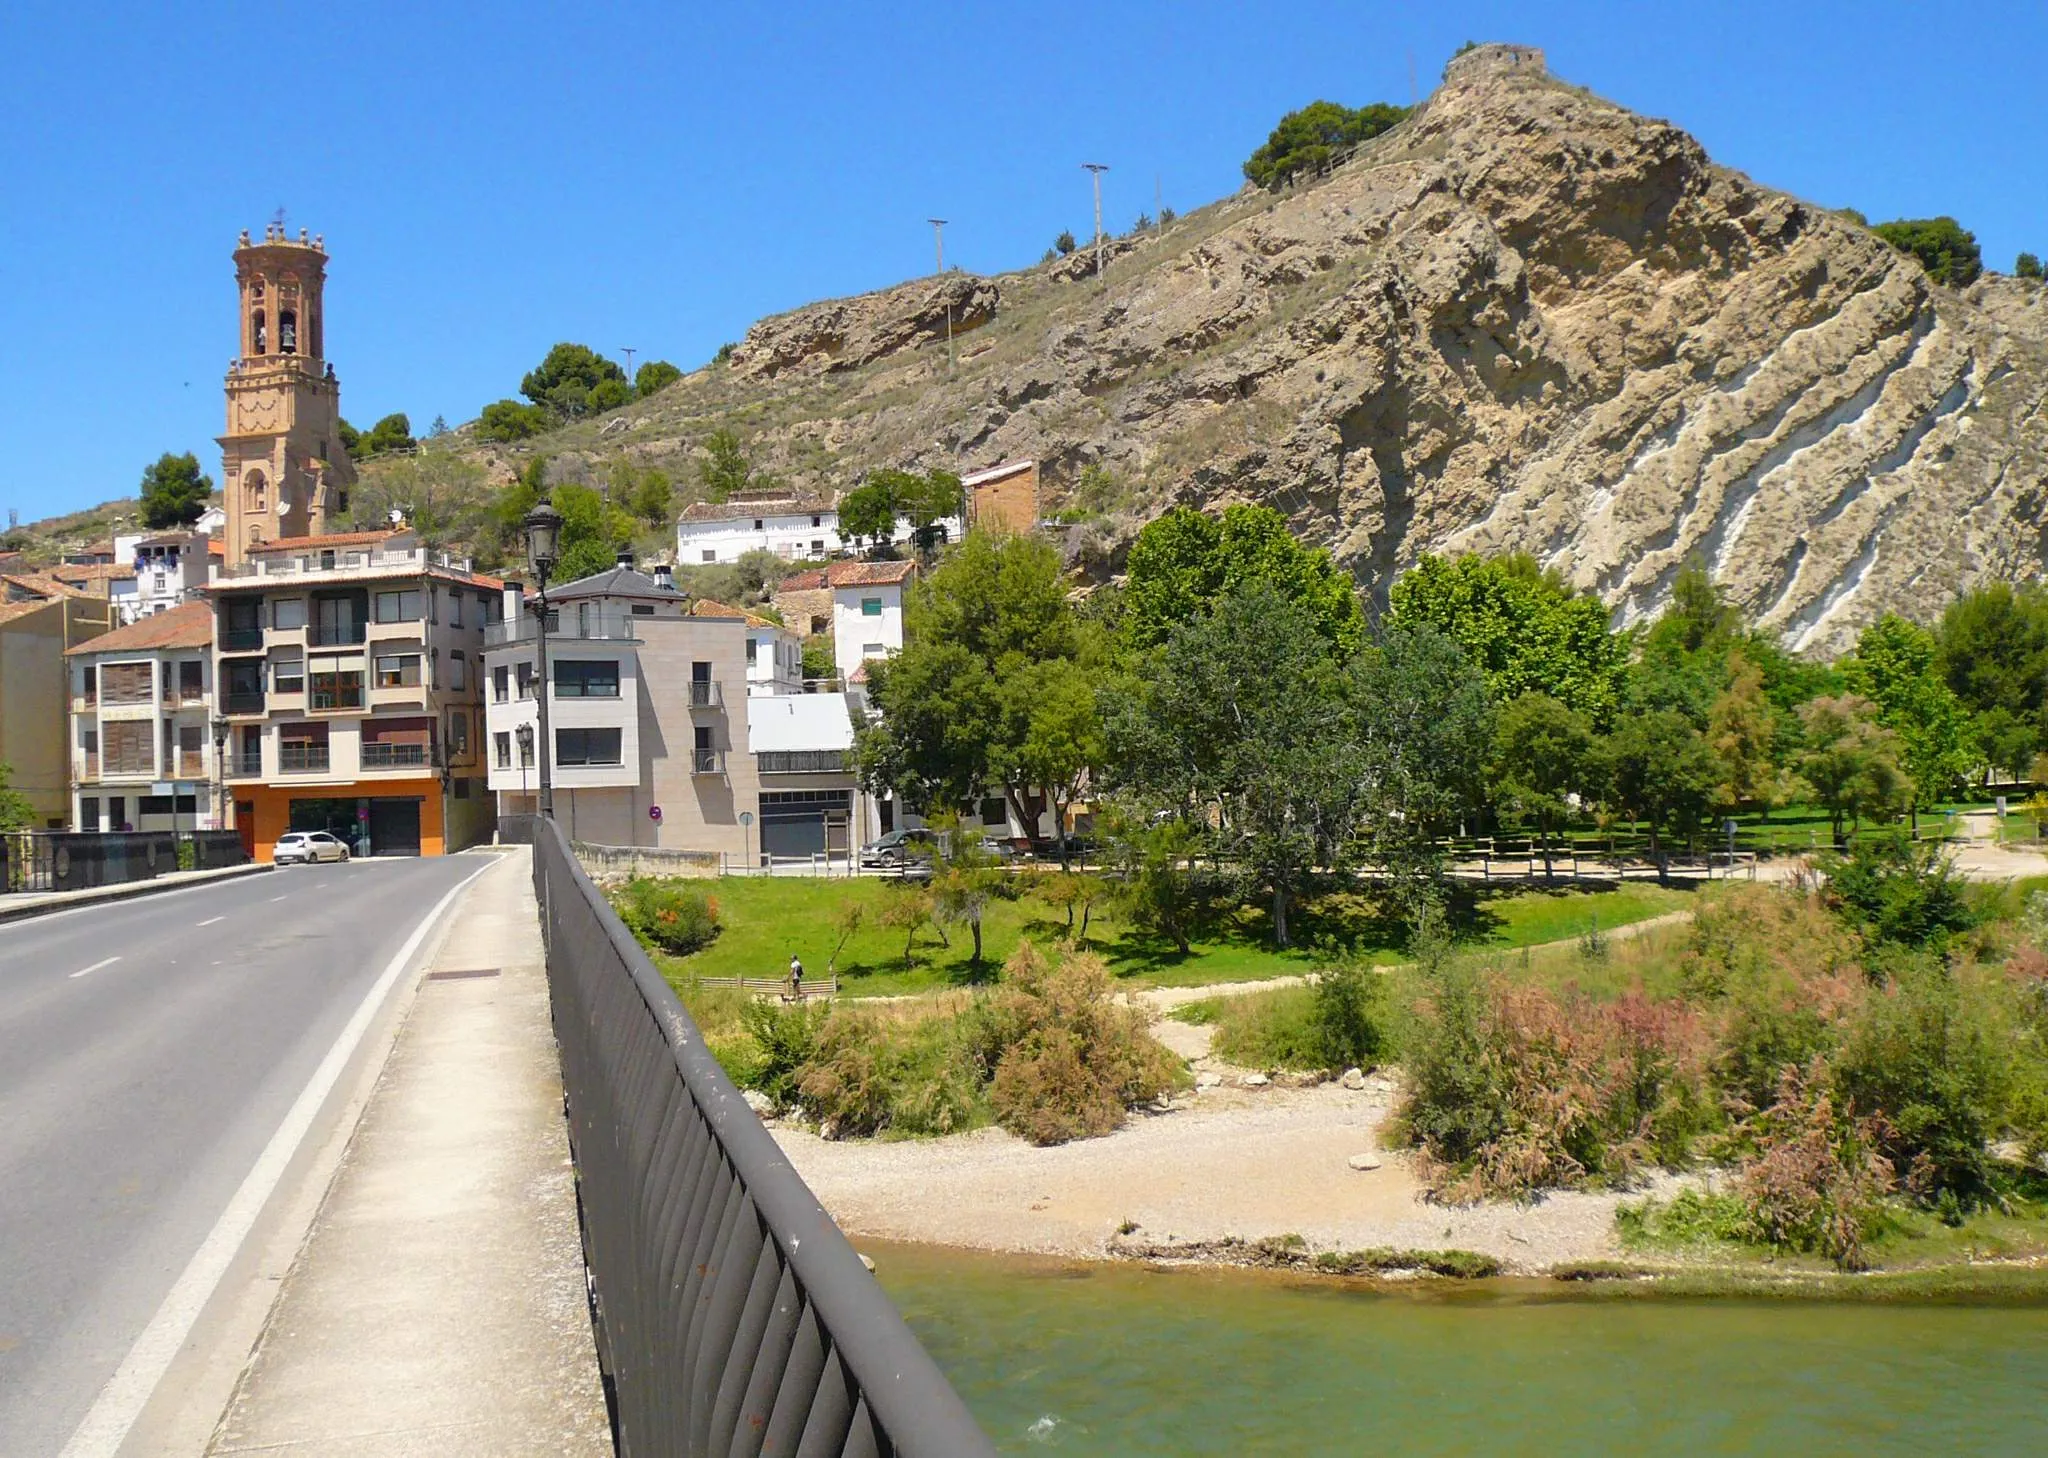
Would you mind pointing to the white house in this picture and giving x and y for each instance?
(866, 610)
(775, 656)
(170, 568)
(794, 528)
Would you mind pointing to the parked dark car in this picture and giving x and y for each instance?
(1047, 847)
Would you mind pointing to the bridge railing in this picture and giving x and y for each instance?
(733, 1318)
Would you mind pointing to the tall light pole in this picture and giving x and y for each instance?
(628, 353)
(543, 537)
(1096, 169)
(939, 241)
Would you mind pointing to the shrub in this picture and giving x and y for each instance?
(508, 420)
(1078, 1060)
(1689, 1218)
(1930, 1056)
(1816, 1178)
(1945, 248)
(867, 1076)
(1311, 138)
(1896, 890)
(2027, 265)
(663, 912)
(785, 1040)
(1347, 1019)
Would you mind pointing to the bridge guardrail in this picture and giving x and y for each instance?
(732, 1316)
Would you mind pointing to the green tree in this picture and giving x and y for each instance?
(1064, 243)
(1543, 754)
(593, 532)
(17, 812)
(1894, 666)
(965, 879)
(655, 375)
(645, 491)
(392, 433)
(868, 513)
(508, 420)
(442, 496)
(1052, 734)
(1661, 771)
(351, 438)
(819, 663)
(1183, 561)
(174, 491)
(1946, 249)
(1991, 648)
(1524, 628)
(1742, 731)
(2005, 742)
(2027, 265)
(1308, 139)
(725, 468)
(609, 394)
(564, 382)
(1683, 663)
(1851, 762)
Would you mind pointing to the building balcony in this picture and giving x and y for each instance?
(335, 635)
(302, 759)
(191, 764)
(241, 640)
(396, 756)
(707, 761)
(245, 764)
(706, 694)
(247, 701)
(608, 626)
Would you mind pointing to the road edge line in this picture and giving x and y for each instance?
(128, 1392)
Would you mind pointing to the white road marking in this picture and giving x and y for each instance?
(212, 919)
(128, 1391)
(105, 962)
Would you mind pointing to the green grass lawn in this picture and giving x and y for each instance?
(766, 919)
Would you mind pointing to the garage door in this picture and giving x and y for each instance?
(395, 827)
(794, 823)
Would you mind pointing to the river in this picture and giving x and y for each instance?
(1121, 1361)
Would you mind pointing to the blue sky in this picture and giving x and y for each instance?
(494, 178)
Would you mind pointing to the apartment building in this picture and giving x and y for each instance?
(141, 706)
(39, 620)
(859, 603)
(655, 713)
(349, 671)
(795, 528)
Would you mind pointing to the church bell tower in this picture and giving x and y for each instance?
(284, 470)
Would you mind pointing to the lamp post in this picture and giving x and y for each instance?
(543, 537)
(524, 734)
(220, 772)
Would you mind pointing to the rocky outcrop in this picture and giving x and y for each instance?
(1525, 319)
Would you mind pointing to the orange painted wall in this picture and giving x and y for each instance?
(274, 807)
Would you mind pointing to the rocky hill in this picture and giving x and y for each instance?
(1523, 319)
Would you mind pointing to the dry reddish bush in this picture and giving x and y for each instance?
(1815, 1177)
(1073, 1060)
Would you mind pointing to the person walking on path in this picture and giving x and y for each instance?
(796, 979)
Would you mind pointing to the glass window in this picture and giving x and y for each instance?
(454, 607)
(458, 672)
(458, 733)
(709, 555)
(398, 670)
(288, 612)
(586, 746)
(288, 675)
(753, 649)
(525, 673)
(190, 677)
(337, 690)
(399, 607)
(501, 749)
(336, 620)
(501, 683)
(586, 678)
(872, 650)
(871, 607)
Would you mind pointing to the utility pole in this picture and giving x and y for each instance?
(939, 242)
(628, 353)
(1158, 205)
(1096, 169)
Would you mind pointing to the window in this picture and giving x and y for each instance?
(501, 684)
(817, 521)
(817, 545)
(458, 672)
(288, 612)
(191, 677)
(88, 812)
(525, 672)
(871, 607)
(462, 789)
(753, 649)
(398, 670)
(131, 748)
(995, 812)
(709, 555)
(586, 746)
(458, 734)
(337, 620)
(757, 523)
(586, 678)
(399, 607)
(454, 607)
(501, 749)
(327, 559)
(643, 609)
(288, 675)
(873, 650)
(337, 690)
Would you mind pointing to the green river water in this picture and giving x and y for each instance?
(1121, 1361)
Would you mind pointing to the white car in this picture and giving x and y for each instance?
(307, 846)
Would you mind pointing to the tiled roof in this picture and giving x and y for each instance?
(869, 574)
(705, 607)
(9, 611)
(809, 580)
(92, 572)
(36, 585)
(330, 539)
(742, 508)
(996, 473)
(189, 625)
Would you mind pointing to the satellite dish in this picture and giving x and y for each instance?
(284, 507)
(397, 516)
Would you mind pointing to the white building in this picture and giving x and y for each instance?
(775, 656)
(794, 528)
(867, 608)
(169, 567)
(141, 704)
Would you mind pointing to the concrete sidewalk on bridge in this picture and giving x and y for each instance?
(438, 1303)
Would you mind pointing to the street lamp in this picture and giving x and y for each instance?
(220, 772)
(524, 734)
(543, 537)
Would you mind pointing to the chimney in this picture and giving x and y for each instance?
(515, 596)
(664, 577)
(625, 557)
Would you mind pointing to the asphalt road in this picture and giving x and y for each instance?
(148, 1051)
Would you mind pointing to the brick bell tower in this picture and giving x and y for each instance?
(284, 470)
